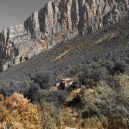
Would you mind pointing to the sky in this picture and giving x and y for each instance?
(13, 12)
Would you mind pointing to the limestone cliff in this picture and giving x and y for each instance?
(59, 20)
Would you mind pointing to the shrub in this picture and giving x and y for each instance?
(33, 91)
(122, 87)
(97, 100)
(49, 115)
(56, 97)
(65, 119)
(42, 79)
(18, 113)
(90, 76)
(116, 121)
(8, 88)
(55, 118)
(17, 102)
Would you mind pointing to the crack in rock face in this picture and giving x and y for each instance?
(57, 21)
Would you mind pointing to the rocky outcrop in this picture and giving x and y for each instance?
(59, 20)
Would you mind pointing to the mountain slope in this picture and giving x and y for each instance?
(101, 51)
(58, 20)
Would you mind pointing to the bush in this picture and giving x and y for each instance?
(116, 121)
(90, 76)
(56, 97)
(119, 67)
(55, 118)
(17, 102)
(122, 87)
(65, 119)
(49, 115)
(17, 112)
(33, 91)
(97, 100)
(44, 80)
(8, 88)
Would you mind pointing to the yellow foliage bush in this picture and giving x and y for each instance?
(17, 102)
(65, 119)
(16, 112)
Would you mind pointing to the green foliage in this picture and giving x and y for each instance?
(117, 121)
(55, 118)
(122, 87)
(65, 118)
(48, 115)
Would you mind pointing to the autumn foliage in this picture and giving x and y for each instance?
(16, 112)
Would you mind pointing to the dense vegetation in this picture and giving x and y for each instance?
(16, 112)
(78, 105)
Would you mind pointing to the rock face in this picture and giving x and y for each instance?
(59, 20)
